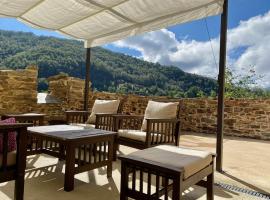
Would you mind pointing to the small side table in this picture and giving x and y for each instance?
(165, 168)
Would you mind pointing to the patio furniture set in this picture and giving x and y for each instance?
(90, 140)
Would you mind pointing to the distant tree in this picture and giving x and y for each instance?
(194, 92)
(243, 85)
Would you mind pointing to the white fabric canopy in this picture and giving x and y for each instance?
(98, 22)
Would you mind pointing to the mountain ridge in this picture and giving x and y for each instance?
(110, 71)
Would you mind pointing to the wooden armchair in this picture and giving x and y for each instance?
(103, 121)
(12, 164)
(35, 119)
(157, 130)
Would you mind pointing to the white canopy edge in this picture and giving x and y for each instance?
(99, 22)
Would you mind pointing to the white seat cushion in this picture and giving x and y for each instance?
(11, 158)
(137, 135)
(159, 110)
(132, 134)
(103, 107)
(188, 161)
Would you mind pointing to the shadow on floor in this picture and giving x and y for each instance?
(47, 182)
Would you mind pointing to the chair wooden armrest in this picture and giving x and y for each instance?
(104, 114)
(14, 127)
(158, 120)
(126, 116)
(76, 116)
(128, 121)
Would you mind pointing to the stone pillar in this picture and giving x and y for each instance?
(18, 90)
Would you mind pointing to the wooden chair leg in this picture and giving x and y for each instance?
(70, 169)
(111, 152)
(162, 181)
(124, 181)
(177, 193)
(19, 187)
(21, 164)
(210, 187)
(61, 152)
(115, 149)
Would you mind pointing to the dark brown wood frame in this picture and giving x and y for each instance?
(170, 180)
(158, 131)
(16, 172)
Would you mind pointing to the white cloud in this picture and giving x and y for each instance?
(251, 38)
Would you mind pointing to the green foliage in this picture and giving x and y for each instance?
(243, 85)
(113, 72)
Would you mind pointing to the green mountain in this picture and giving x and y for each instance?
(110, 71)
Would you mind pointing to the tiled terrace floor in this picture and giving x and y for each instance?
(246, 165)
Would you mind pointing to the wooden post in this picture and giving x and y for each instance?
(87, 78)
(221, 84)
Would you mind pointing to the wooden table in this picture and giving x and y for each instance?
(82, 148)
(34, 118)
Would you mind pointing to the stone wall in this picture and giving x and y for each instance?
(18, 90)
(243, 117)
(69, 90)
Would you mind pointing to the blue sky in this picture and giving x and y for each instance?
(246, 17)
(238, 10)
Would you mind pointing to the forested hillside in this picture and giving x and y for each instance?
(113, 72)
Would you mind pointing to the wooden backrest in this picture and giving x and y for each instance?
(75, 116)
(36, 120)
(173, 134)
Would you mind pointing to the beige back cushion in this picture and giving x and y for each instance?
(159, 110)
(104, 107)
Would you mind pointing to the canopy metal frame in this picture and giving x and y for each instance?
(221, 86)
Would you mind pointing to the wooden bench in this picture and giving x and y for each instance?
(162, 169)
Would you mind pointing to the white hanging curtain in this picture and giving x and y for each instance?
(98, 22)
